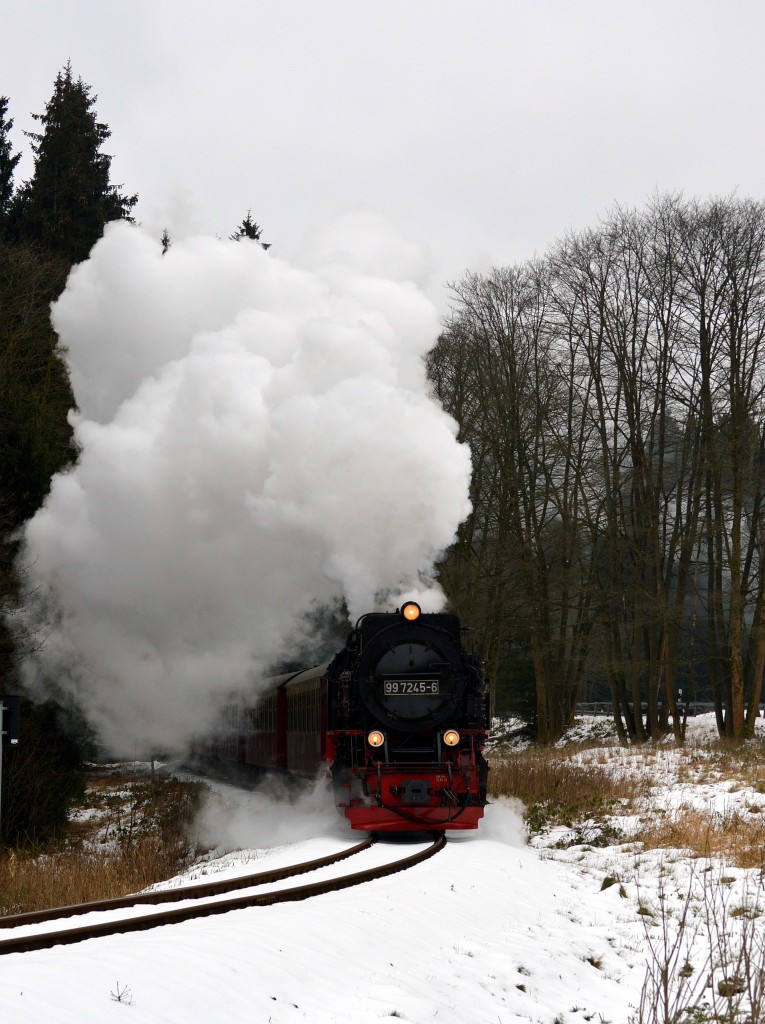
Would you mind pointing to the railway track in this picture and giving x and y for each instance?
(201, 894)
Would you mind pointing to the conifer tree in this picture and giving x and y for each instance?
(69, 199)
(36, 441)
(249, 229)
(7, 162)
(35, 392)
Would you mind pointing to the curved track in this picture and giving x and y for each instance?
(186, 892)
(26, 943)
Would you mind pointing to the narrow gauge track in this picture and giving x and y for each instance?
(186, 892)
(46, 940)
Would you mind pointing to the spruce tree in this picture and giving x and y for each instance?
(69, 199)
(7, 163)
(36, 441)
(36, 437)
(249, 229)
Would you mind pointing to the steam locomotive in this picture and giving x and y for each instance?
(400, 717)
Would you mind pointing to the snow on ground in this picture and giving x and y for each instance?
(492, 930)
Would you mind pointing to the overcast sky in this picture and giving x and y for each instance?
(483, 129)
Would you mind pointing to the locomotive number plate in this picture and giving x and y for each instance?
(411, 687)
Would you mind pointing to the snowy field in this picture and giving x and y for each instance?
(493, 930)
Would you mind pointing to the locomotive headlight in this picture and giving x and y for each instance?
(451, 737)
(375, 738)
(411, 611)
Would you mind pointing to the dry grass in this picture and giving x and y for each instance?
(738, 763)
(574, 787)
(557, 790)
(737, 838)
(538, 774)
(131, 831)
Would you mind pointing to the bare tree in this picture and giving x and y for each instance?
(613, 397)
(499, 370)
(723, 259)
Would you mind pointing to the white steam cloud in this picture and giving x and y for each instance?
(269, 816)
(255, 438)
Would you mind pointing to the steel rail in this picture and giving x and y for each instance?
(186, 892)
(25, 944)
